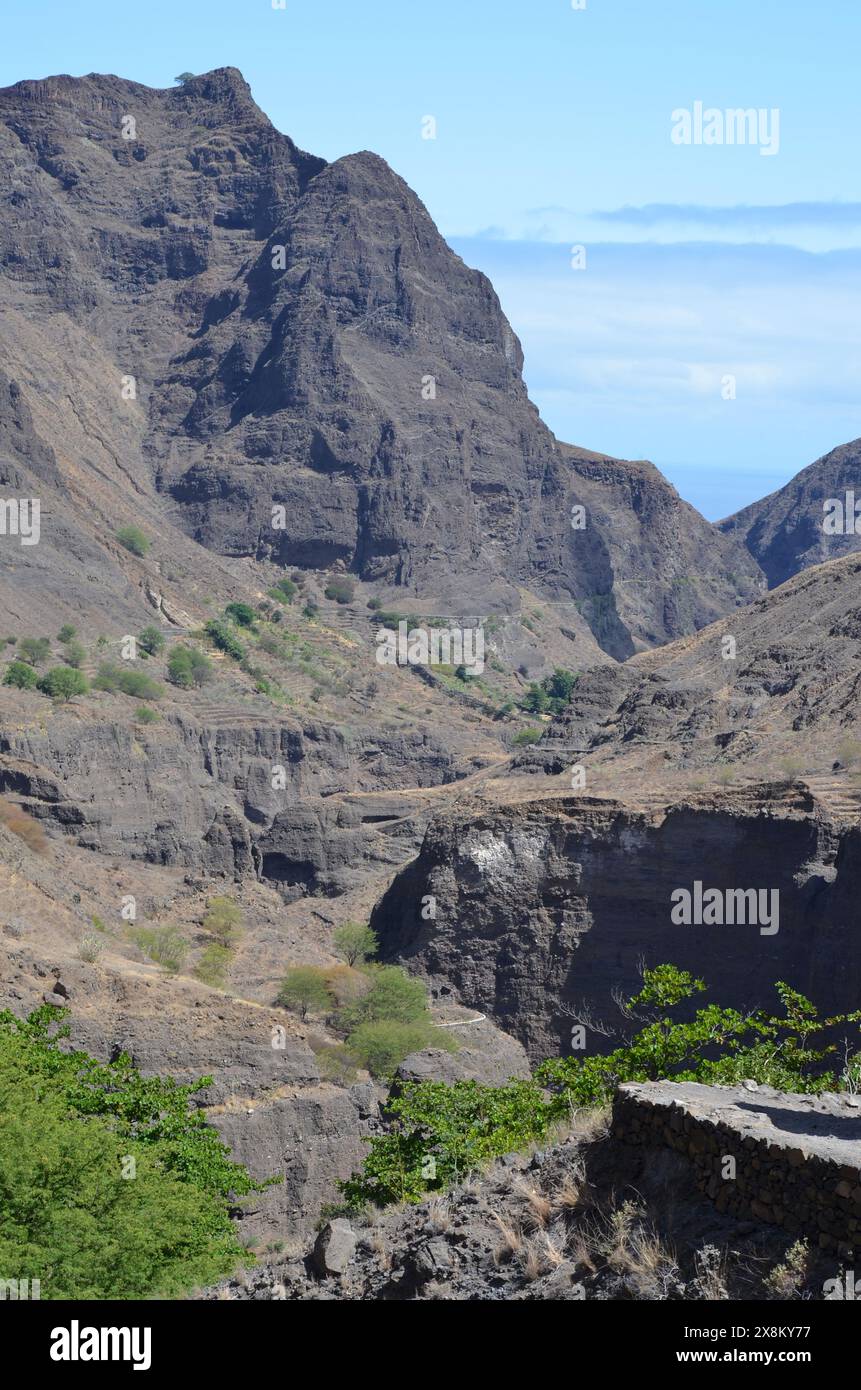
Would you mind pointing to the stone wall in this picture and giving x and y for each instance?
(797, 1158)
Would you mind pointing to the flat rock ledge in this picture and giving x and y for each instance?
(790, 1160)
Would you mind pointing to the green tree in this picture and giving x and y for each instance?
(393, 995)
(241, 613)
(67, 633)
(64, 683)
(113, 1185)
(304, 990)
(381, 1047)
(133, 538)
(151, 640)
(220, 634)
(356, 942)
(20, 674)
(183, 78)
(36, 650)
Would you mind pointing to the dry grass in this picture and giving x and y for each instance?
(381, 1247)
(539, 1209)
(511, 1242)
(16, 819)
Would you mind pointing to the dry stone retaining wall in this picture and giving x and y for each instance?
(797, 1158)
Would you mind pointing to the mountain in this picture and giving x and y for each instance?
(794, 527)
(300, 336)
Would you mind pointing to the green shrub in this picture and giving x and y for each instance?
(164, 945)
(138, 684)
(187, 667)
(133, 538)
(552, 695)
(67, 633)
(223, 920)
(36, 650)
(393, 995)
(381, 1047)
(151, 640)
(220, 634)
(145, 714)
(304, 990)
(63, 683)
(340, 588)
(213, 964)
(284, 591)
(356, 942)
(527, 736)
(20, 674)
(241, 613)
(70, 1127)
(74, 653)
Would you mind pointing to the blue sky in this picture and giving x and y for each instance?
(702, 261)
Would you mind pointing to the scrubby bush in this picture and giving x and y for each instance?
(164, 945)
(223, 920)
(464, 1125)
(67, 633)
(393, 996)
(145, 714)
(36, 650)
(151, 640)
(133, 538)
(90, 947)
(220, 634)
(381, 1047)
(74, 653)
(213, 964)
(356, 942)
(127, 681)
(64, 683)
(340, 588)
(241, 613)
(284, 591)
(304, 990)
(524, 737)
(21, 675)
(187, 667)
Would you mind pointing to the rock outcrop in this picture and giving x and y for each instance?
(545, 911)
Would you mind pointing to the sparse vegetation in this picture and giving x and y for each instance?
(63, 683)
(341, 589)
(125, 680)
(134, 540)
(164, 945)
(17, 820)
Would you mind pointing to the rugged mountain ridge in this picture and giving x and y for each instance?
(786, 532)
(301, 336)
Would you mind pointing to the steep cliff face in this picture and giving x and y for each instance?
(786, 532)
(300, 336)
(546, 907)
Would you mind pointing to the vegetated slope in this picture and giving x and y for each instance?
(300, 335)
(784, 531)
(778, 679)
